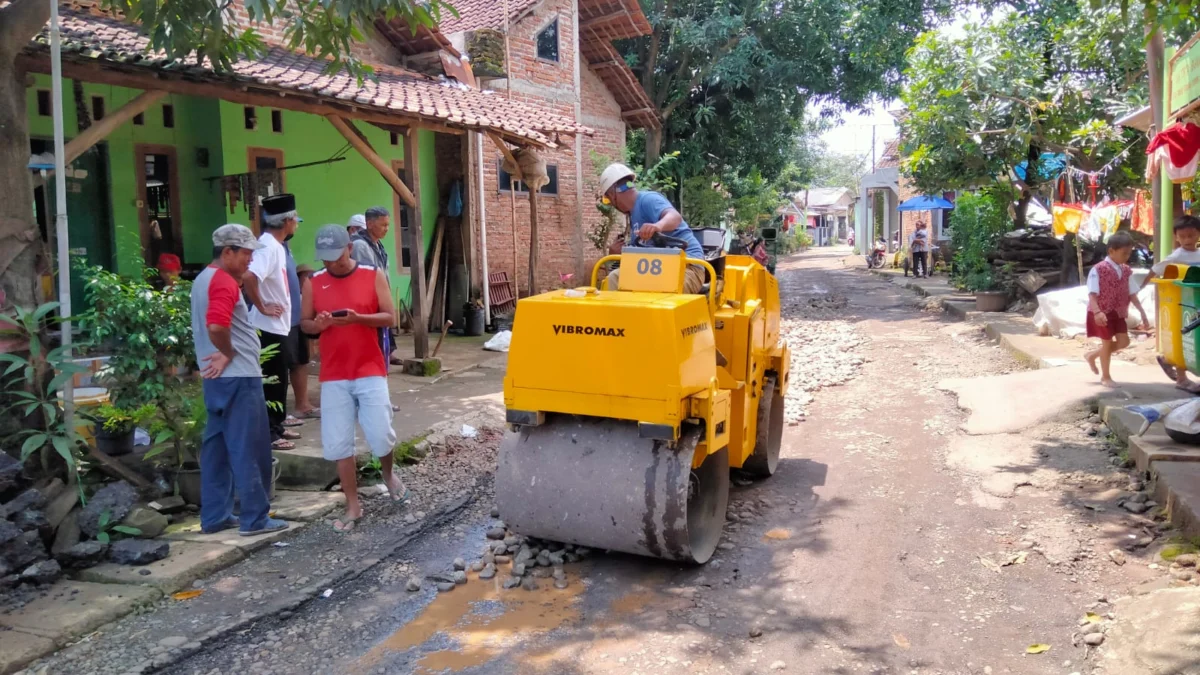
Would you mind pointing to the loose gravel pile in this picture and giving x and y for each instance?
(824, 347)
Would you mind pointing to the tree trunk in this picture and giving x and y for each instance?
(20, 241)
(1022, 210)
(654, 140)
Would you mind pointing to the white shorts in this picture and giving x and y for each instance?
(365, 401)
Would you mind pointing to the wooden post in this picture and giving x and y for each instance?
(102, 128)
(359, 143)
(416, 253)
(533, 240)
(512, 217)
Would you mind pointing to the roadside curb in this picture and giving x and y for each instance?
(1173, 468)
(310, 592)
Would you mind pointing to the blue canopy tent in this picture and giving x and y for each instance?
(925, 203)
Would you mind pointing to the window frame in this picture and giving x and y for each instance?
(537, 38)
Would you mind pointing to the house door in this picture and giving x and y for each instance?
(89, 219)
(157, 173)
(268, 179)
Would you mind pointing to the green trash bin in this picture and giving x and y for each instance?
(1189, 304)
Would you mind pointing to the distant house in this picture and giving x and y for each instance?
(828, 211)
(895, 189)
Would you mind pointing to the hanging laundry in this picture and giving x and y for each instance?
(1103, 223)
(1177, 149)
(1142, 218)
(1067, 218)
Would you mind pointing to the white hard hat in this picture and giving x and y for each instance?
(613, 174)
(357, 220)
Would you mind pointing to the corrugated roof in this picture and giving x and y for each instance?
(116, 45)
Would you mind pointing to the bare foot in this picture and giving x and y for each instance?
(1091, 357)
(1108, 383)
(1188, 386)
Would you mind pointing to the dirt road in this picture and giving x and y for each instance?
(883, 544)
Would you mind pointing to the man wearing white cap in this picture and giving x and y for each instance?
(650, 213)
(345, 304)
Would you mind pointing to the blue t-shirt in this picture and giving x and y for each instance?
(649, 208)
(293, 285)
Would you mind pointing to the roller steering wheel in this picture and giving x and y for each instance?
(660, 240)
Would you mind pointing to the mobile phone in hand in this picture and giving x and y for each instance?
(340, 312)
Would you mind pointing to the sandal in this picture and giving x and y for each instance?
(283, 444)
(290, 435)
(292, 421)
(311, 414)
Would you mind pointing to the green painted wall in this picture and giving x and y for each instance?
(328, 193)
(196, 126)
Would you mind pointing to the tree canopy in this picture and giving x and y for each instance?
(732, 79)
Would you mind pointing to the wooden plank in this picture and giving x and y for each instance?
(533, 241)
(102, 128)
(499, 142)
(364, 148)
(416, 252)
(435, 266)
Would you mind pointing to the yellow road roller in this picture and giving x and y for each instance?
(627, 408)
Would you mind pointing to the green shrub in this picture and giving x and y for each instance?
(980, 219)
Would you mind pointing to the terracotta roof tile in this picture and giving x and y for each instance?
(475, 14)
(88, 37)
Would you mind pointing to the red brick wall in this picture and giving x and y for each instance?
(563, 248)
(374, 50)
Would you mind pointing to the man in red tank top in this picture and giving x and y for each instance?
(346, 304)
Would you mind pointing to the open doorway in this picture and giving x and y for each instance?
(157, 169)
(267, 180)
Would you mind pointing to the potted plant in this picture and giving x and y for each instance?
(115, 427)
(177, 433)
(473, 316)
(990, 294)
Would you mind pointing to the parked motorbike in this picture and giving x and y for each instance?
(876, 256)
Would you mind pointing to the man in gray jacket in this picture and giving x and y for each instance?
(367, 248)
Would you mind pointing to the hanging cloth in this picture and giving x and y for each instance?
(1177, 149)
(454, 207)
(1067, 218)
(1142, 218)
(1104, 223)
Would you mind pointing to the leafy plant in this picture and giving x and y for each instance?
(148, 331)
(33, 384)
(179, 426)
(106, 526)
(120, 420)
(372, 470)
(980, 219)
(405, 451)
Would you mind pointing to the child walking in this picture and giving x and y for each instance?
(1110, 291)
(1187, 236)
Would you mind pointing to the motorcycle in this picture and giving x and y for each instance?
(876, 257)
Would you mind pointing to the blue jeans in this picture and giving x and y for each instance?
(236, 453)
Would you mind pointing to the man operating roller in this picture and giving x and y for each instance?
(650, 213)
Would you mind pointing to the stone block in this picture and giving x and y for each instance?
(186, 562)
(138, 551)
(71, 609)
(427, 367)
(115, 499)
(305, 506)
(146, 520)
(18, 649)
(189, 531)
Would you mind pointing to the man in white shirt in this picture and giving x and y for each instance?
(267, 290)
